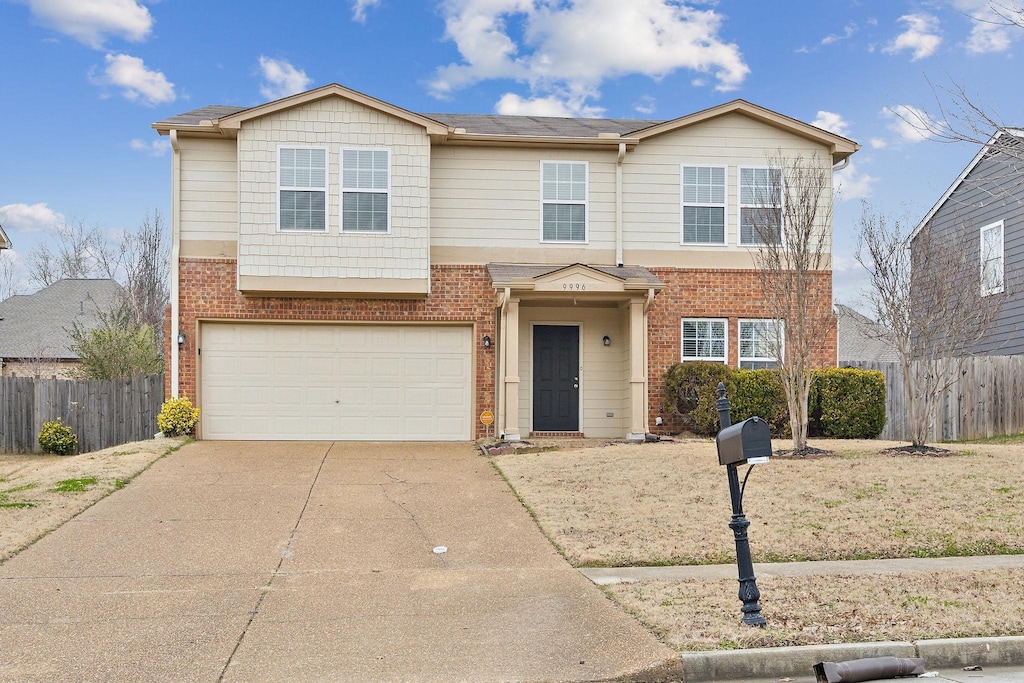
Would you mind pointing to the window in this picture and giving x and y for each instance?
(760, 205)
(760, 344)
(992, 259)
(563, 201)
(365, 190)
(704, 339)
(302, 189)
(703, 201)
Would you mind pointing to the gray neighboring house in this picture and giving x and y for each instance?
(860, 339)
(988, 198)
(34, 341)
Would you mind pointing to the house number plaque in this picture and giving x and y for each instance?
(574, 286)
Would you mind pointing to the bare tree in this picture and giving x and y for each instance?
(793, 223)
(10, 284)
(80, 252)
(146, 263)
(928, 301)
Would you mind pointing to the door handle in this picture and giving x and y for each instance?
(575, 386)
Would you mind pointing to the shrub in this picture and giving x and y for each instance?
(760, 392)
(56, 437)
(848, 403)
(177, 417)
(691, 390)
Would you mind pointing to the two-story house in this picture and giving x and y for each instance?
(984, 209)
(346, 269)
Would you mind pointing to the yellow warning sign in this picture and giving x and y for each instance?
(487, 417)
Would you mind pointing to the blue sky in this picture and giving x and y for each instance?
(83, 81)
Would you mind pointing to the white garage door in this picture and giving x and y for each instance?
(326, 382)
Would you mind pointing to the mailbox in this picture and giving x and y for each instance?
(743, 441)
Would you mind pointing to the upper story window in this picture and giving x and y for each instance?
(563, 201)
(302, 188)
(704, 339)
(703, 204)
(760, 194)
(760, 344)
(992, 259)
(365, 190)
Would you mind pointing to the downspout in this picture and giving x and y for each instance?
(175, 251)
(500, 378)
(618, 204)
(842, 164)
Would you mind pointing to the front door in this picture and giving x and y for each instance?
(556, 378)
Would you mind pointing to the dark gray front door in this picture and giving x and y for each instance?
(556, 381)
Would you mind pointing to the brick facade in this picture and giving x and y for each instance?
(708, 293)
(458, 294)
(462, 293)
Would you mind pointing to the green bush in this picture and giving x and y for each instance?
(56, 437)
(691, 390)
(177, 417)
(760, 392)
(847, 403)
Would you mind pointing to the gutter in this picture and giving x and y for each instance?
(618, 203)
(175, 252)
(841, 165)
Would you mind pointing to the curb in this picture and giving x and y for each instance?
(782, 662)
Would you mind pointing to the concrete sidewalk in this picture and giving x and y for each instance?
(307, 562)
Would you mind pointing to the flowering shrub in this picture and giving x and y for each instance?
(177, 417)
(56, 437)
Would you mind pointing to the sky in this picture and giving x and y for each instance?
(82, 80)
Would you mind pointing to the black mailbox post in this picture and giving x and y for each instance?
(737, 444)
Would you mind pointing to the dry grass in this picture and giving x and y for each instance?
(657, 504)
(808, 610)
(38, 493)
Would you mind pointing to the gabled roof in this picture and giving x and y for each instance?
(506, 274)
(5, 243)
(859, 338)
(35, 325)
(500, 129)
(985, 149)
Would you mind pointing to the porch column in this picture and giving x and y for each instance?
(637, 371)
(510, 381)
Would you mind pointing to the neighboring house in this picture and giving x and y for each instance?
(861, 339)
(346, 269)
(34, 339)
(987, 200)
(4, 242)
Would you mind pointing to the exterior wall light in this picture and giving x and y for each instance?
(487, 341)
(181, 338)
(607, 340)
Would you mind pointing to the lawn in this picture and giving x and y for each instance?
(668, 503)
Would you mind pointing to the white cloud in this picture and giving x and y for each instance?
(850, 183)
(832, 122)
(922, 36)
(281, 79)
(878, 143)
(514, 105)
(989, 32)
(359, 8)
(92, 21)
(29, 217)
(137, 83)
(848, 31)
(910, 123)
(645, 105)
(569, 49)
(155, 148)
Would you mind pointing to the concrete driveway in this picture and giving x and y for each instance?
(311, 562)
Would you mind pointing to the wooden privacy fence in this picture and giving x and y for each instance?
(987, 399)
(102, 413)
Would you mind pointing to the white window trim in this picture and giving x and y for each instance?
(326, 191)
(342, 189)
(986, 291)
(585, 203)
(725, 346)
(724, 206)
(740, 205)
(759, 359)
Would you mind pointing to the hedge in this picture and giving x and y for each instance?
(847, 403)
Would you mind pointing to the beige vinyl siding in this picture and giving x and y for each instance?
(651, 176)
(209, 189)
(489, 198)
(605, 367)
(333, 123)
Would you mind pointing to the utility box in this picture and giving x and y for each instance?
(743, 441)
